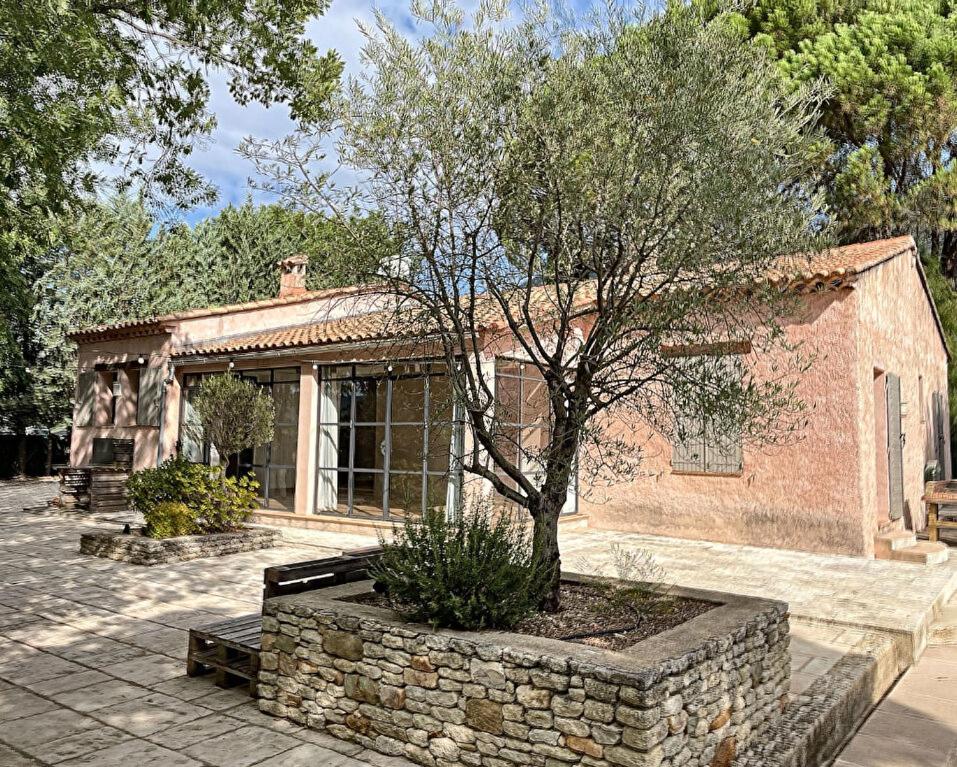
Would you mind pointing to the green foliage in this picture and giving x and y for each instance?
(170, 520)
(176, 480)
(891, 112)
(216, 503)
(477, 573)
(117, 262)
(228, 502)
(127, 83)
(945, 298)
(234, 414)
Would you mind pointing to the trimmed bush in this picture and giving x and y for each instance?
(218, 504)
(170, 519)
(476, 573)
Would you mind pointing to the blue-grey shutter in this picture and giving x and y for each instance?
(895, 446)
(687, 453)
(723, 447)
(151, 392)
(85, 397)
(939, 409)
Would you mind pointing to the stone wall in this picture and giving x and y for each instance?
(694, 695)
(141, 550)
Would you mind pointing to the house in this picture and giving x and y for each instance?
(366, 430)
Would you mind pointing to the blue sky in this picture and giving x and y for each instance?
(219, 162)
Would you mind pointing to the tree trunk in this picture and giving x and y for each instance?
(22, 456)
(547, 553)
(49, 462)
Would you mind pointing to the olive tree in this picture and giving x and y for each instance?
(234, 414)
(601, 198)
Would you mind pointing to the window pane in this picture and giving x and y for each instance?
(367, 494)
(440, 447)
(332, 491)
(370, 441)
(257, 376)
(286, 374)
(437, 490)
(370, 400)
(405, 494)
(282, 489)
(260, 476)
(286, 398)
(408, 400)
(284, 445)
(407, 447)
(535, 405)
(507, 393)
(440, 399)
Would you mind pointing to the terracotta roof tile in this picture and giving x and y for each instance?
(826, 270)
(153, 324)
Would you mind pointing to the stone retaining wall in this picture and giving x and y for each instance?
(142, 550)
(694, 695)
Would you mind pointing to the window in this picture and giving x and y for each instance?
(273, 465)
(388, 441)
(701, 444)
(522, 412)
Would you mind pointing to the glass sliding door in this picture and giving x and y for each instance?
(274, 464)
(387, 441)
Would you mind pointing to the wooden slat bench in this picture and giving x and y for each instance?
(230, 649)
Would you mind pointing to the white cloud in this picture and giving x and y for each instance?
(219, 162)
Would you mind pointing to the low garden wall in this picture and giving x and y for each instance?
(696, 694)
(143, 550)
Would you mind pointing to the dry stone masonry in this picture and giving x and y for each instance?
(695, 695)
(142, 550)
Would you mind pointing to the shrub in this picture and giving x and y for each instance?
(472, 574)
(217, 504)
(176, 480)
(170, 519)
(228, 503)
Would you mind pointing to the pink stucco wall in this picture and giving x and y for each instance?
(898, 335)
(822, 492)
(800, 495)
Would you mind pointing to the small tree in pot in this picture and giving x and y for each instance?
(234, 414)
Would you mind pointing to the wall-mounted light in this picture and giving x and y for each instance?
(141, 360)
(315, 366)
(231, 364)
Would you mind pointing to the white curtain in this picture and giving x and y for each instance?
(452, 489)
(327, 489)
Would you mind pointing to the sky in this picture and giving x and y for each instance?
(337, 29)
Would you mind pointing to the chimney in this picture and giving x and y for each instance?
(292, 275)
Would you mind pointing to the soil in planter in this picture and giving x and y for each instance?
(596, 615)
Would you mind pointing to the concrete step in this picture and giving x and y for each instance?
(923, 553)
(887, 543)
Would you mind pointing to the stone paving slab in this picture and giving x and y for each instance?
(80, 632)
(92, 667)
(866, 594)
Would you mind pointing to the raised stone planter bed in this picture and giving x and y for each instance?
(697, 694)
(142, 550)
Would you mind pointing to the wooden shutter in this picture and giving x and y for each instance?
(85, 397)
(152, 388)
(723, 447)
(939, 410)
(687, 452)
(895, 446)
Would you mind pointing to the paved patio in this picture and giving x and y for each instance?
(92, 666)
(92, 658)
(916, 723)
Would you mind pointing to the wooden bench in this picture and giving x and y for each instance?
(230, 649)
